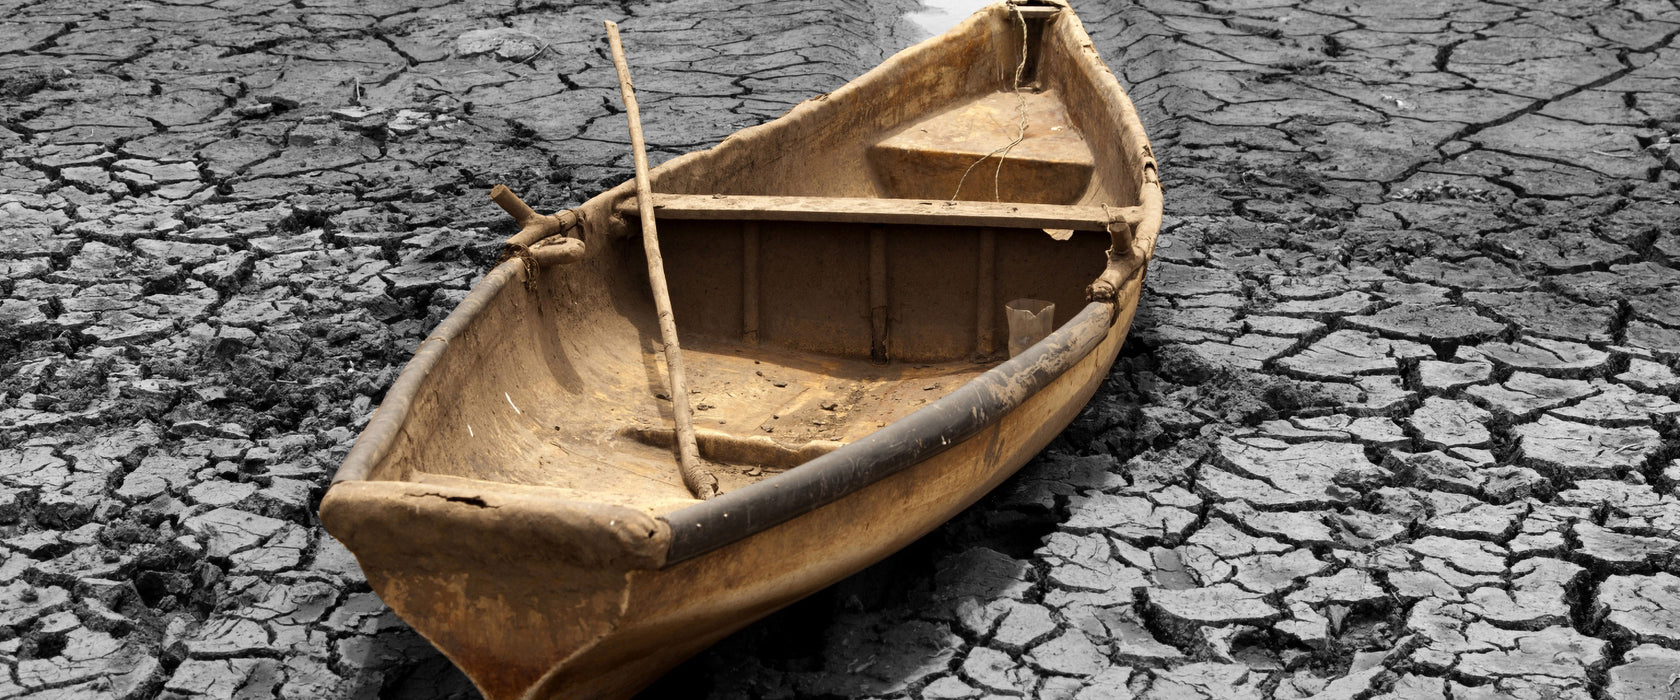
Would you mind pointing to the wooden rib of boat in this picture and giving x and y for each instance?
(515, 498)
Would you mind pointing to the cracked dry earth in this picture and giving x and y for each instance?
(1396, 420)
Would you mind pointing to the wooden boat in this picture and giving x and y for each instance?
(515, 498)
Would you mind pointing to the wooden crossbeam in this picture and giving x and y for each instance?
(865, 210)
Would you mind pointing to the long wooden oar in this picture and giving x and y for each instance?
(699, 481)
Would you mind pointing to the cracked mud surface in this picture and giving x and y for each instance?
(1396, 419)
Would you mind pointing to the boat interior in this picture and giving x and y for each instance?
(830, 273)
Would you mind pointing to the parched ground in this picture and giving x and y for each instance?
(1397, 417)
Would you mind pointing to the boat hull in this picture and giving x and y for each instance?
(497, 506)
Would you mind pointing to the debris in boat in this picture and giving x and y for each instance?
(829, 405)
(510, 403)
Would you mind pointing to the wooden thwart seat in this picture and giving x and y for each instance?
(884, 211)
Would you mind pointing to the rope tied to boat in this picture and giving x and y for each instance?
(1002, 152)
(537, 231)
(511, 250)
(565, 221)
(1151, 169)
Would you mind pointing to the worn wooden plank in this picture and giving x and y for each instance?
(882, 211)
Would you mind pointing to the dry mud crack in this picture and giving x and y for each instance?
(1396, 420)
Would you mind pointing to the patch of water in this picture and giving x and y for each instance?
(937, 16)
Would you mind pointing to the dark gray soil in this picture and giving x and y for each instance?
(1396, 419)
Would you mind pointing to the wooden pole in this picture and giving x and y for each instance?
(699, 481)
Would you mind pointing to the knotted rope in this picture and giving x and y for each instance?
(512, 250)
